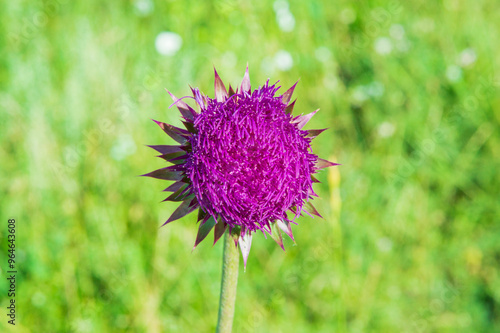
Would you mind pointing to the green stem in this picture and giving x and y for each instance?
(229, 282)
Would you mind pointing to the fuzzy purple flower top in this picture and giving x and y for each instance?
(244, 161)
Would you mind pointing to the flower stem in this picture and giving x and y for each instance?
(229, 282)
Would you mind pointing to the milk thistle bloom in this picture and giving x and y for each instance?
(244, 161)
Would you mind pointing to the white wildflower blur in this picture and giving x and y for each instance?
(384, 244)
(359, 95)
(143, 7)
(375, 89)
(284, 18)
(453, 73)
(283, 60)
(386, 130)
(229, 59)
(347, 16)
(383, 45)
(362, 93)
(168, 43)
(398, 34)
(424, 25)
(397, 31)
(323, 54)
(467, 57)
(123, 147)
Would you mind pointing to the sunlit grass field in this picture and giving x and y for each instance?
(410, 240)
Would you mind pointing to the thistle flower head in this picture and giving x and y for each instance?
(244, 161)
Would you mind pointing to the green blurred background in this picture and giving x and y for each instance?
(409, 89)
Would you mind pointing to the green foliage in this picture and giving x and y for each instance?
(411, 236)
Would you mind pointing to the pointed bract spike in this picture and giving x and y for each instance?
(199, 98)
(186, 111)
(193, 90)
(321, 164)
(315, 132)
(231, 91)
(189, 126)
(245, 84)
(177, 130)
(220, 89)
(187, 148)
(175, 187)
(287, 96)
(178, 159)
(289, 108)
(296, 213)
(183, 209)
(166, 149)
(286, 227)
(219, 230)
(267, 227)
(194, 203)
(172, 156)
(180, 195)
(301, 121)
(164, 174)
(314, 179)
(201, 215)
(245, 243)
(276, 235)
(175, 133)
(205, 227)
(310, 193)
(235, 233)
(308, 207)
(178, 167)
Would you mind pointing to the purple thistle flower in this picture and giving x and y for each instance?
(244, 162)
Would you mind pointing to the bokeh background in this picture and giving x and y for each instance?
(410, 241)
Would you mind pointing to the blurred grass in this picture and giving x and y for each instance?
(409, 90)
